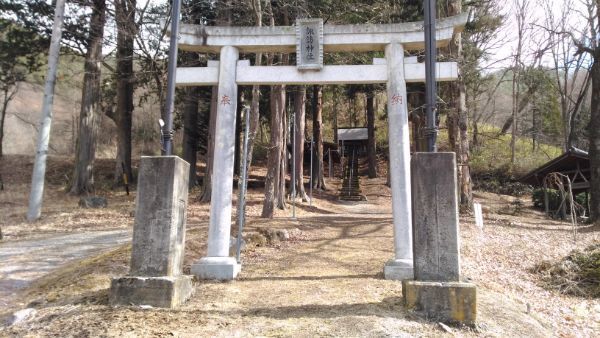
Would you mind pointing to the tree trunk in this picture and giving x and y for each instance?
(459, 121)
(254, 118)
(210, 149)
(191, 135)
(464, 168)
(594, 137)
(335, 117)
(85, 154)
(274, 155)
(125, 13)
(416, 99)
(299, 126)
(281, 191)
(371, 133)
(7, 98)
(255, 105)
(238, 133)
(317, 110)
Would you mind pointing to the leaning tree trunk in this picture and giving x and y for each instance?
(274, 154)
(191, 135)
(461, 137)
(210, 149)
(594, 137)
(299, 126)
(371, 134)
(317, 108)
(125, 21)
(85, 154)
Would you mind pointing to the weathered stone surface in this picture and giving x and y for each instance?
(168, 292)
(160, 217)
(93, 202)
(442, 301)
(155, 277)
(435, 217)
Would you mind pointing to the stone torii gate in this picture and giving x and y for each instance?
(309, 39)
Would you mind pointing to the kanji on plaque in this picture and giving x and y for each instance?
(309, 44)
(225, 100)
(396, 99)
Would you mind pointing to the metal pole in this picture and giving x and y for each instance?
(430, 79)
(294, 165)
(311, 171)
(172, 69)
(242, 187)
(39, 167)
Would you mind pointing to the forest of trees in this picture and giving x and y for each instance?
(552, 75)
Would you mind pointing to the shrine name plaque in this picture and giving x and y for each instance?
(309, 44)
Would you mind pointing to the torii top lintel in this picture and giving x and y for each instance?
(336, 38)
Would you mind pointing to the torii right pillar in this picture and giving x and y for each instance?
(401, 266)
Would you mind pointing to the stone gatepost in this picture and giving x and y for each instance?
(437, 289)
(401, 266)
(155, 277)
(217, 264)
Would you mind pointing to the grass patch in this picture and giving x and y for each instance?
(494, 153)
(577, 274)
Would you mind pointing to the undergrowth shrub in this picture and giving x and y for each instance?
(577, 274)
(499, 181)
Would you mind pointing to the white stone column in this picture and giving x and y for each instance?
(401, 266)
(217, 264)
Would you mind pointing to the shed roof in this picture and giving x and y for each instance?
(569, 163)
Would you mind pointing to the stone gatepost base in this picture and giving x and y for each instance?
(398, 269)
(443, 301)
(216, 268)
(167, 292)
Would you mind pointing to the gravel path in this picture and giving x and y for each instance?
(26, 260)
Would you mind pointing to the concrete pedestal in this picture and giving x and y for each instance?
(155, 277)
(169, 292)
(453, 302)
(217, 268)
(437, 291)
(398, 269)
(401, 266)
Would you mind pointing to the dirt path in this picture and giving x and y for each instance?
(27, 260)
(326, 280)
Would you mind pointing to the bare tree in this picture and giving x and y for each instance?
(521, 9)
(317, 110)
(299, 126)
(371, 133)
(83, 177)
(273, 179)
(571, 73)
(206, 190)
(255, 105)
(126, 31)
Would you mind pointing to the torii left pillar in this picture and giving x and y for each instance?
(217, 264)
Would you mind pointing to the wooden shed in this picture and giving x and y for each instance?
(574, 163)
